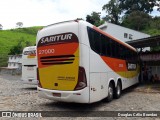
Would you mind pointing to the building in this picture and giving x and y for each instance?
(15, 61)
(14, 65)
(122, 33)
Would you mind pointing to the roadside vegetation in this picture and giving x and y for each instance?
(13, 41)
(133, 14)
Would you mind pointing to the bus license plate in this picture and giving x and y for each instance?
(30, 68)
(30, 80)
(56, 94)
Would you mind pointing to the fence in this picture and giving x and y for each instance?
(4, 67)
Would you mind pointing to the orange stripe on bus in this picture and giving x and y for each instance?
(116, 65)
(59, 49)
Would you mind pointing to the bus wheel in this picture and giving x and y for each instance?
(118, 90)
(110, 92)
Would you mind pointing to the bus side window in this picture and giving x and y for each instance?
(103, 47)
(128, 55)
(124, 53)
(116, 50)
(97, 42)
(131, 56)
(91, 37)
(134, 58)
(94, 39)
(112, 48)
(108, 46)
(120, 49)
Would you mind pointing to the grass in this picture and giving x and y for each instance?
(3, 60)
(10, 38)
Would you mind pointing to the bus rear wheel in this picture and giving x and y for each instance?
(118, 90)
(110, 92)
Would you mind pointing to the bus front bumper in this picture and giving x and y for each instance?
(30, 81)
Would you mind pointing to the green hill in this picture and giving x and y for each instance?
(10, 38)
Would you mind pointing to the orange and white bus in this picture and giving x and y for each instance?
(29, 65)
(77, 62)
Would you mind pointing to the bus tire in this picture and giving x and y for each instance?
(110, 92)
(118, 90)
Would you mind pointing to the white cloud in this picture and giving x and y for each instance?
(155, 12)
(44, 12)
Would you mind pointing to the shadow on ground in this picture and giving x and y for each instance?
(30, 88)
(149, 87)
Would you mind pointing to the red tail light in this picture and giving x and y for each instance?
(39, 84)
(82, 80)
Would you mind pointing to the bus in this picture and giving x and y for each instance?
(77, 62)
(29, 65)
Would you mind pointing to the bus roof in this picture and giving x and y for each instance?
(97, 29)
(29, 48)
(76, 20)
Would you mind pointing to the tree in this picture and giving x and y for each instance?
(136, 20)
(94, 19)
(138, 5)
(1, 27)
(155, 23)
(18, 49)
(28, 43)
(153, 30)
(19, 24)
(154, 27)
(113, 11)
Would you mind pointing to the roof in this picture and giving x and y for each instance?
(145, 42)
(105, 25)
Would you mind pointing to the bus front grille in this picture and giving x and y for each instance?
(57, 60)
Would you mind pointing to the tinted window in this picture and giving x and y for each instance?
(94, 39)
(108, 46)
(105, 46)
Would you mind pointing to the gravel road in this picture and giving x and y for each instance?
(16, 96)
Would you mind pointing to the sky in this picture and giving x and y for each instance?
(45, 12)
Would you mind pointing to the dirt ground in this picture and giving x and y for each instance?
(16, 96)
